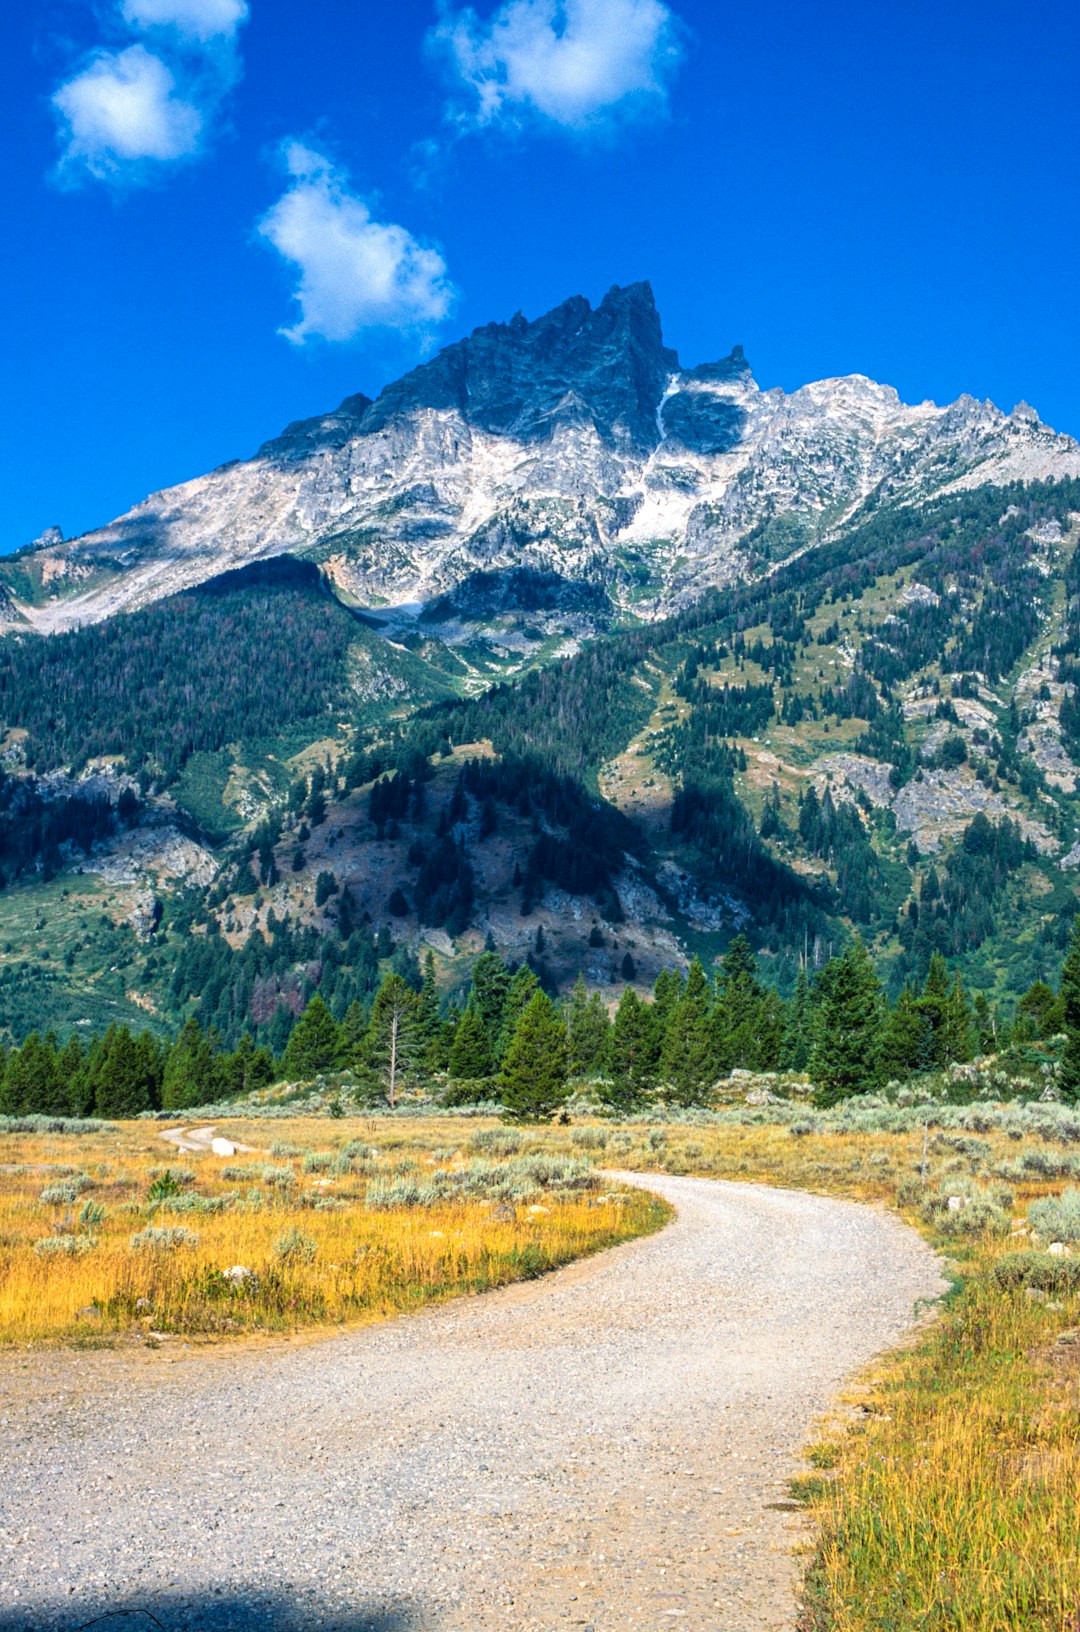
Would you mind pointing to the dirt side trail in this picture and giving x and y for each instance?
(600, 1448)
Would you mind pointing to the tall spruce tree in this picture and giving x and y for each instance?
(1069, 993)
(314, 1043)
(798, 1037)
(470, 1051)
(847, 1026)
(125, 1079)
(907, 1038)
(632, 1055)
(490, 990)
(736, 1015)
(427, 1018)
(523, 987)
(33, 1083)
(688, 1057)
(587, 1030)
(533, 1080)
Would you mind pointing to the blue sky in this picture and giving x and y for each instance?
(891, 190)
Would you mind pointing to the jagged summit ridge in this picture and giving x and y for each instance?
(574, 444)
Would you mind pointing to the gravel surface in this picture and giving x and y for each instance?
(600, 1448)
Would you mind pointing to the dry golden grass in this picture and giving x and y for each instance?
(318, 1252)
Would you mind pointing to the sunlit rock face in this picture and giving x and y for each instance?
(573, 446)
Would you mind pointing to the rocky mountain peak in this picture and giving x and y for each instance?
(510, 378)
(570, 445)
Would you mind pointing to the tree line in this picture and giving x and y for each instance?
(506, 1040)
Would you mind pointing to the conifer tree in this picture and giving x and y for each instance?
(934, 1004)
(470, 1052)
(1069, 993)
(533, 1080)
(907, 1041)
(957, 1038)
(632, 1055)
(391, 1033)
(72, 1063)
(33, 1084)
(587, 1030)
(737, 1013)
(847, 1026)
(188, 1077)
(427, 1016)
(314, 1042)
(667, 994)
(490, 991)
(688, 1057)
(795, 1047)
(523, 987)
(125, 1086)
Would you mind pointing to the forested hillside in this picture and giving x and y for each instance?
(220, 805)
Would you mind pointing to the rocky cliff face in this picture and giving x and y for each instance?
(574, 445)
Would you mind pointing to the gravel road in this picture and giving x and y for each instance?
(601, 1448)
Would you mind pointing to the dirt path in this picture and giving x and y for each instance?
(597, 1449)
(197, 1141)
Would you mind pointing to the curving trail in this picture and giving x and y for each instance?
(597, 1449)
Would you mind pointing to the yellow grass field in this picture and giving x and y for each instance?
(96, 1241)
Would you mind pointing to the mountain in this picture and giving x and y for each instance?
(559, 647)
(574, 447)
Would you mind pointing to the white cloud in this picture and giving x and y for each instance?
(130, 111)
(123, 110)
(573, 62)
(202, 20)
(354, 272)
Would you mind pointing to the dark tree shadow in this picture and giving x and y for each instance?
(232, 1611)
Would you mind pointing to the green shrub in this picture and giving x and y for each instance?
(159, 1240)
(1057, 1218)
(294, 1247)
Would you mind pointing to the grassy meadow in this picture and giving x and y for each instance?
(943, 1494)
(109, 1233)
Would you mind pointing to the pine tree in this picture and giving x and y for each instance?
(737, 1013)
(314, 1042)
(188, 1077)
(490, 990)
(426, 1020)
(688, 1057)
(72, 1063)
(33, 1084)
(523, 987)
(934, 1004)
(667, 995)
(847, 1026)
(632, 1055)
(1069, 993)
(907, 1040)
(470, 1052)
(957, 1028)
(795, 1048)
(391, 1037)
(533, 1079)
(587, 1031)
(124, 1087)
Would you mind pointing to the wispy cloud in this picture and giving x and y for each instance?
(130, 112)
(570, 63)
(354, 272)
(202, 20)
